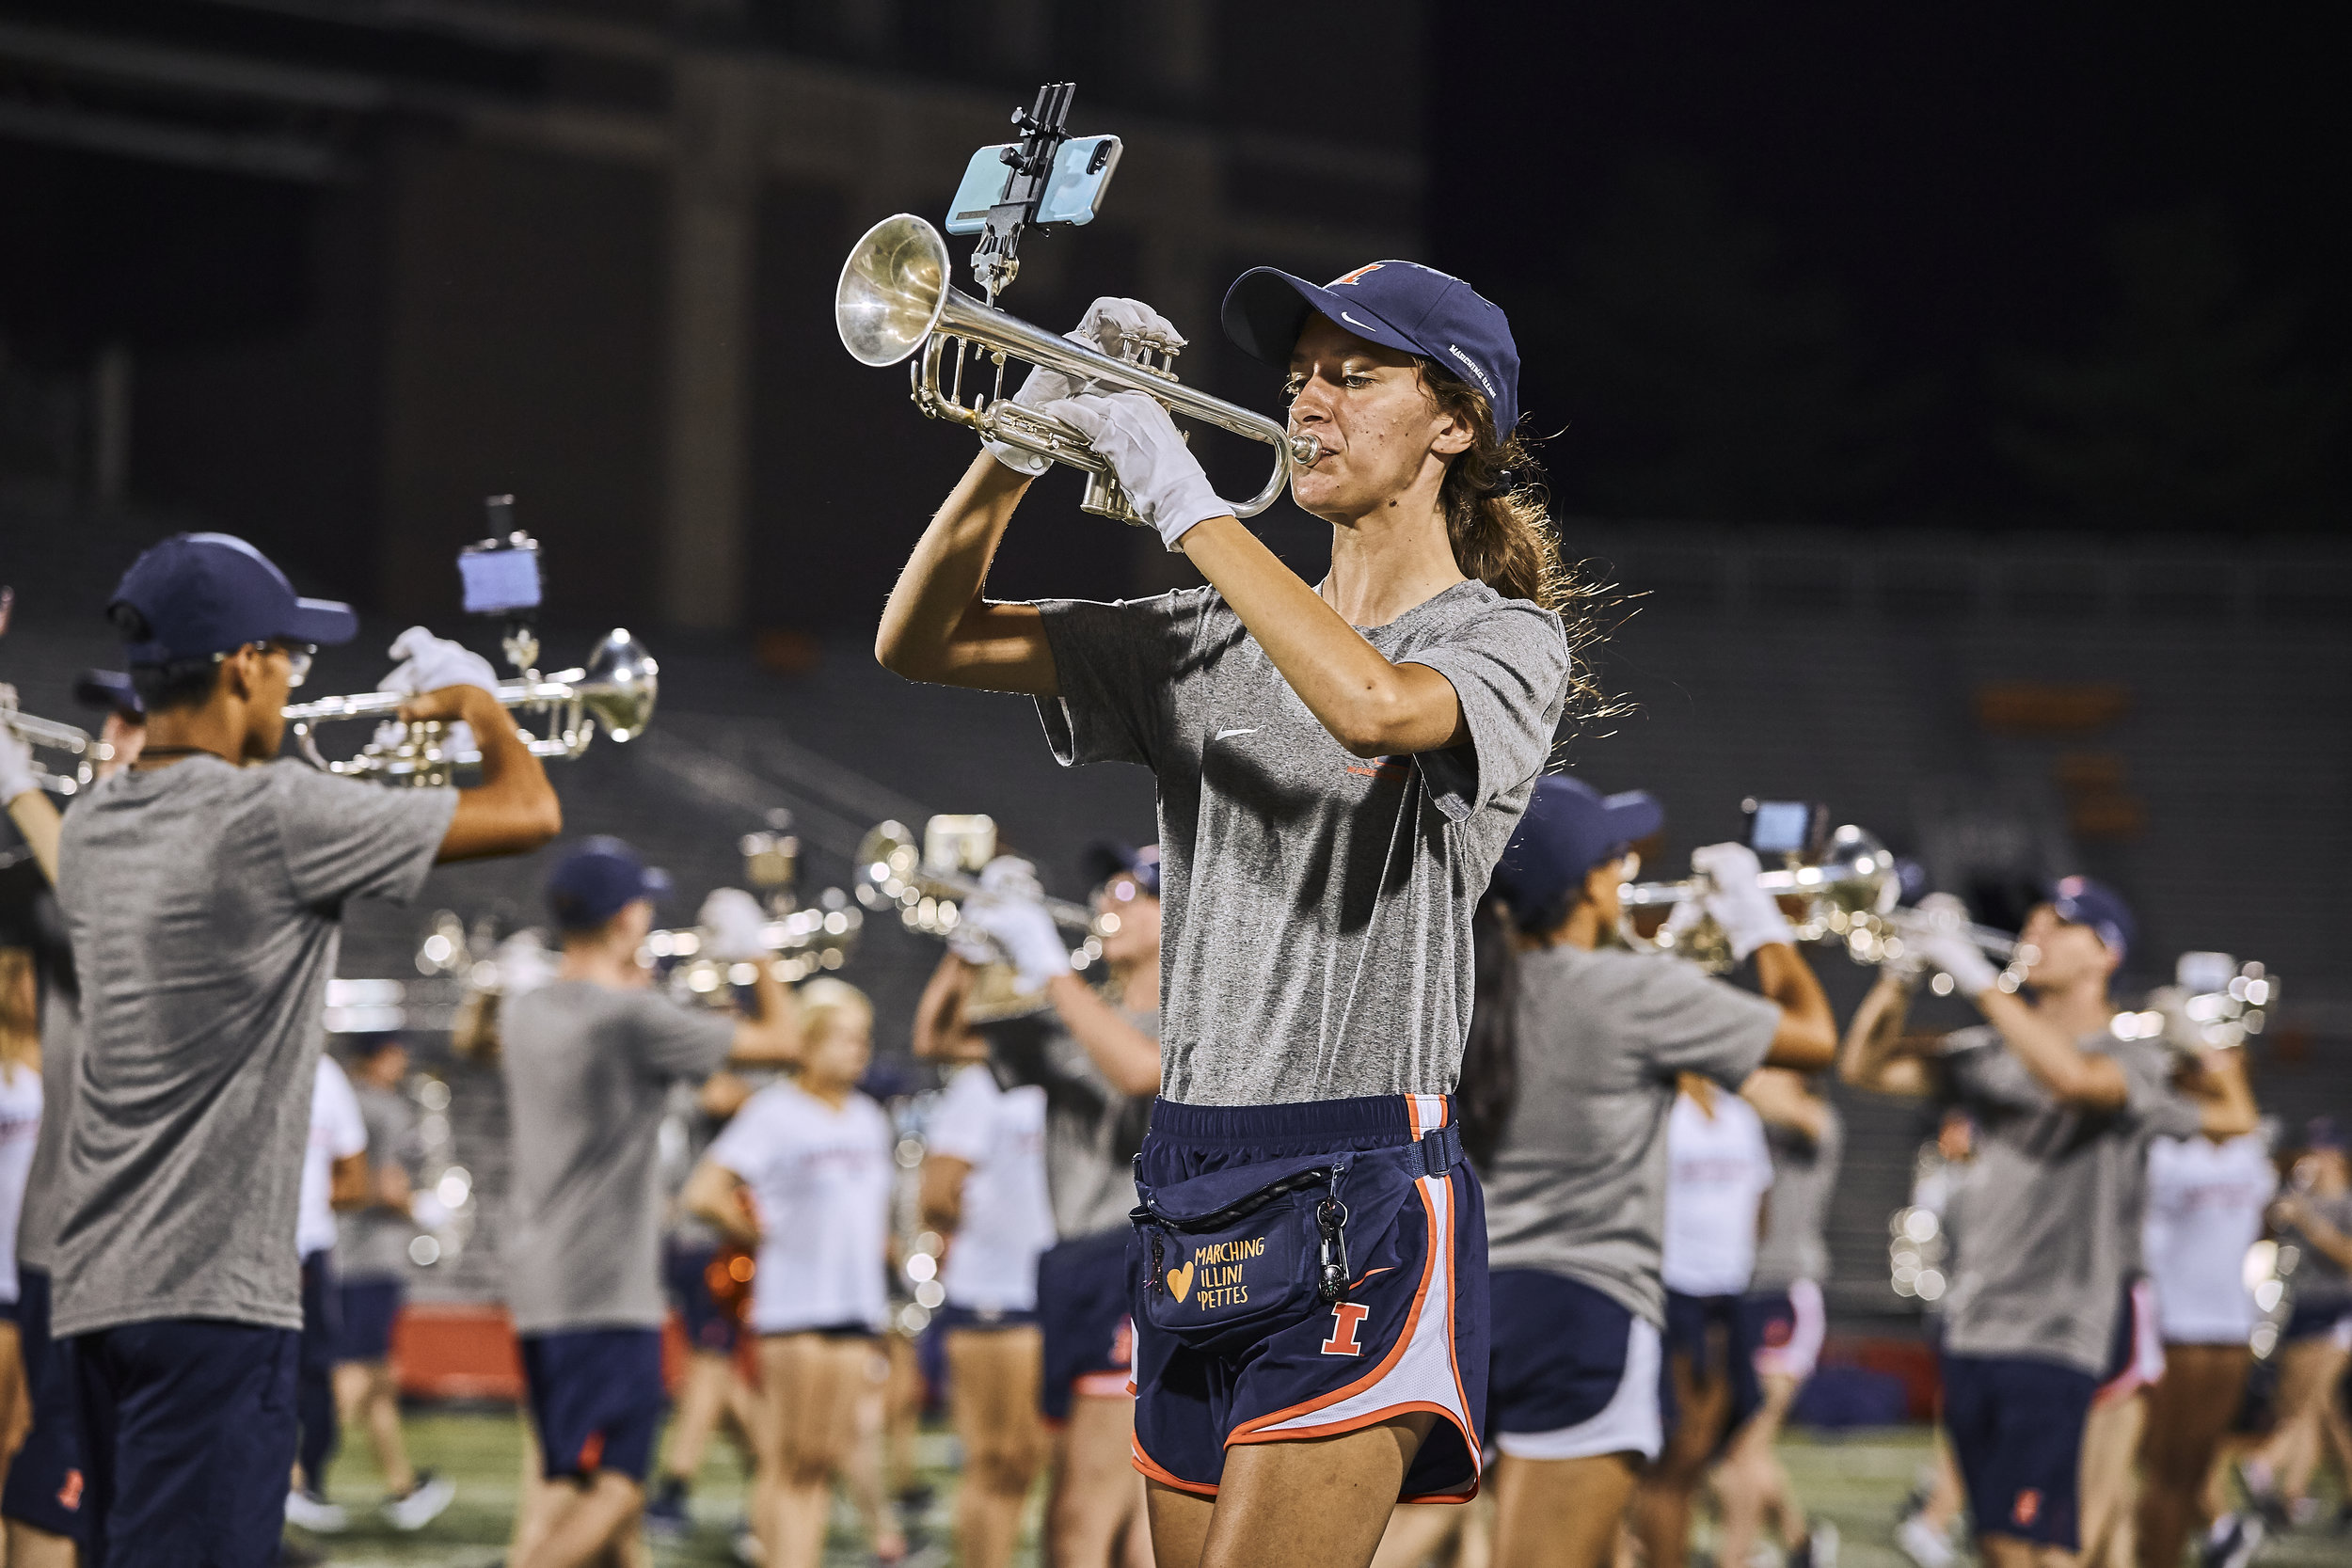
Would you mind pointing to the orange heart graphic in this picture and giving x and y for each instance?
(1179, 1282)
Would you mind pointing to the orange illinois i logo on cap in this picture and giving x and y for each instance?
(1356, 276)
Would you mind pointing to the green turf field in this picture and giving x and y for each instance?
(1857, 1481)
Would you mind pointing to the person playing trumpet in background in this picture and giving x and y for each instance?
(2042, 1312)
(1098, 1061)
(202, 890)
(1576, 1052)
(588, 1059)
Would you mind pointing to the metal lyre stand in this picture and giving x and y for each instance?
(518, 629)
(996, 259)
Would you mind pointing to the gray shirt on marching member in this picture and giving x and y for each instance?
(588, 1069)
(1093, 1132)
(2055, 1202)
(1317, 904)
(204, 902)
(1578, 1186)
(373, 1240)
(1795, 1245)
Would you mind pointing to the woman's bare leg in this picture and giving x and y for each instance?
(993, 1376)
(1661, 1503)
(2110, 1438)
(812, 1386)
(1419, 1535)
(1561, 1513)
(1317, 1503)
(2308, 1370)
(867, 1462)
(2188, 1412)
(1750, 1481)
(1098, 1499)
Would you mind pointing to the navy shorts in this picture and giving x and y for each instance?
(1081, 1306)
(597, 1400)
(2016, 1427)
(187, 1432)
(44, 1485)
(2317, 1320)
(1574, 1373)
(1408, 1336)
(710, 1329)
(983, 1319)
(1720, 1341)
(370, 1308)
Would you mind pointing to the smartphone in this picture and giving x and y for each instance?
(1074, 192)
(499, 576)
(1785, 826)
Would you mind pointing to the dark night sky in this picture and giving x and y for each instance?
(1953, 175)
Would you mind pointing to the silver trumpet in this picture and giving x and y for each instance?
(1850, 894)
(81, 751)
(894, 301)
(928, 881)
(615, 690)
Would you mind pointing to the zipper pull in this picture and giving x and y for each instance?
(1331, 1220)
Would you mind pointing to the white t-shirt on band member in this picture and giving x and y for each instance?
(820, 1182)
(1007, 1218)
(19, 1129)
(2205, 1204)
(1718, 1169)
(338, 1131)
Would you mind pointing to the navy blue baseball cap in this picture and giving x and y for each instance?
(2080, 901)
(1398, 305)
(198, 593)
(109, 689)
(1570, 828)
(596, 880)
(1106, 859)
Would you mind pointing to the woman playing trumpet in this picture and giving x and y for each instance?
(1339, 764)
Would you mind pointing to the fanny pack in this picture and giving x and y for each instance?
(1236, 1255)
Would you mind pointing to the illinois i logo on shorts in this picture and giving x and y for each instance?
(1346, 1318)
(2029, 1507)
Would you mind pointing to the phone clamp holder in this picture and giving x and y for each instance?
(519, 634)
(996, 259)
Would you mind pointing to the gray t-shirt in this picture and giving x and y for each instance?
(2056, 1201)
(1578, 1185)
(1093, 1132)
(373, 1243)
(1333, 955)
(205, 903)
(588, 1069)
(1795, 1245)
(60, 1054)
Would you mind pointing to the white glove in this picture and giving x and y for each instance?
(428, 663)
(1941, 942)
(1105, 328)
(523, 965)
(1010, 877)
(737, 923)
(16, 767)
(968, 943)
(1746, 912)
(1026, 933)
(1145, 450)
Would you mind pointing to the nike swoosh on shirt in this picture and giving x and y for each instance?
(1224, 734)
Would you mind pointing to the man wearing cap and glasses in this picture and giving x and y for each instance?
(2042, 1310)
(588, 1060)
(204, 890)
(1575, 1054)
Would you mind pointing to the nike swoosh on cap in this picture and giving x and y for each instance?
(1353, 321)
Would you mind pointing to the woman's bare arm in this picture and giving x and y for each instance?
(1128, 1056)
(1877, 1055)
(715, 1194)
(1370, 706)
(936, 626)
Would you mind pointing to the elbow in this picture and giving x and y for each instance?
(1138, 1083)
(903, 655)
(546, 822)
(1376, 724)
(1805, 1050)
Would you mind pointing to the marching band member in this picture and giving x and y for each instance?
(804, 1175)
(984, 1190)
(2314, 1215)
(2206, 1198)
(19, 1132)
(371, 1262)
(1930, 1516)
(588, 1059)
(1338, 768)
(1098, 1061)
(1575, 1054)
(1782, 1318)
(202, 890)
(334, 1176)
(2064, 1112)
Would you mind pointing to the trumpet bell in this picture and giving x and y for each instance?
(892, 289)
(618, 685)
